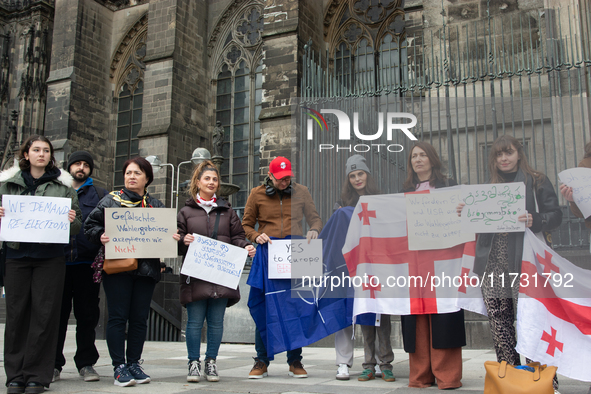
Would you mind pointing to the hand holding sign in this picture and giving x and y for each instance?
(579, 179)
(494, 208)
(43, 219)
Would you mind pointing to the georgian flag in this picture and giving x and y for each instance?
(388, 277)
(554, 310)
(469, 292)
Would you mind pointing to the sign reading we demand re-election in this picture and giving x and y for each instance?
(214, 261)
(35, 219)
(140, 233)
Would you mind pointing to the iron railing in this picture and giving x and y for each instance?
(527, 75)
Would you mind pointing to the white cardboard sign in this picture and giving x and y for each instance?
(140, 233)
(214, 261)
(35, 219)
(493, 208)
(580, 180)
(432, 220)
(294, 258)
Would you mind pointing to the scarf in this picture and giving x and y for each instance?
(209, 203)
(32, 183)
(135, 200)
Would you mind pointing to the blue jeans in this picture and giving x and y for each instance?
(212, 309)
(259, 345)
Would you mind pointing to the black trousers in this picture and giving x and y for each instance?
(79, 289)
(128, 302)
(33, 299)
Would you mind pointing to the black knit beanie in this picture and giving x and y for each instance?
(81, 155)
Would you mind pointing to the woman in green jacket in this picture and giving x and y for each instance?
(35, 272)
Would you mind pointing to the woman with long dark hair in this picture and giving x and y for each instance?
(35, 272)
(434, 341)
(129, 293)
(377, 347)
(207, 214)
(500, 254)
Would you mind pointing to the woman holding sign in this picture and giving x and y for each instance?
(35, 272)
(207, 215)
(128, 293)
(434, 341)
(500, 254)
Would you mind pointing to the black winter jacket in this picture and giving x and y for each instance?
(447, 329)
(80, 249)
(547, 217)
(94, 227)
(193, 219)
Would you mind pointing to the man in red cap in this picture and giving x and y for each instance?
(279, 205)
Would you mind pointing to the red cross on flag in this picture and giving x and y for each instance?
(554, 314)
(469, 292)
(402, 280)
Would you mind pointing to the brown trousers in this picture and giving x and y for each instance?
(427, 364)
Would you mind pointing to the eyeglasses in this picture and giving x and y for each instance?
(283, 180)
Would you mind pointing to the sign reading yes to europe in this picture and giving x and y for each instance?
(493, 208)
(42, 219)
(432, 220)
(140, 233)
(214, 261)
(294, 258)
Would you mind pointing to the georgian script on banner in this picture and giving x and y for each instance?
(214, 261)
(35, 219)
(493, 208)
(140, 233)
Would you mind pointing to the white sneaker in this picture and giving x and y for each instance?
(343, 372)
(56, 375)
(194, 371)
(378, 371)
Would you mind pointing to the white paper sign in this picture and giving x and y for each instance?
(493, 208)
(432, 220)
(35, 219)
(580, 180)
(140, 233)
(214, 261)
(295, 258)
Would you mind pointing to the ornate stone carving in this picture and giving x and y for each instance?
(127, 65)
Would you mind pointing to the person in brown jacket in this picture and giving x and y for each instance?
(279, 205)
(206, 214)
(567, 192)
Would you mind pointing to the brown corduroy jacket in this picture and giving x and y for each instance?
(279, 214)
(586, 162)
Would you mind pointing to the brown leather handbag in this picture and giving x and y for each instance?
(114, 266)
(503, 378)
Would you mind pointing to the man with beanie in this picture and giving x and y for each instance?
(79, 287)
(279, 205)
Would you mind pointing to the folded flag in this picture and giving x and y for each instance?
(554, 310)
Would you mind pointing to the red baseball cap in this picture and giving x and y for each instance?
(280, 167)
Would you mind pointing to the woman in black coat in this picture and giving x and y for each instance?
(501, 254)
(434, 342)
(129, 294)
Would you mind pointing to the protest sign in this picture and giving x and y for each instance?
(580, 180)
(295, 258)
(35, 219)
(432, 220)
(214, 261)
(140, 233)
(493, 208)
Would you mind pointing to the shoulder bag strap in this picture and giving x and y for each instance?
(216, 226)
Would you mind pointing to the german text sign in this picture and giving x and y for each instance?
(493, 208)
(580, 180)
(35, 219)
(432, 220)
(140, 233)
(214, 261)
(294, 258)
